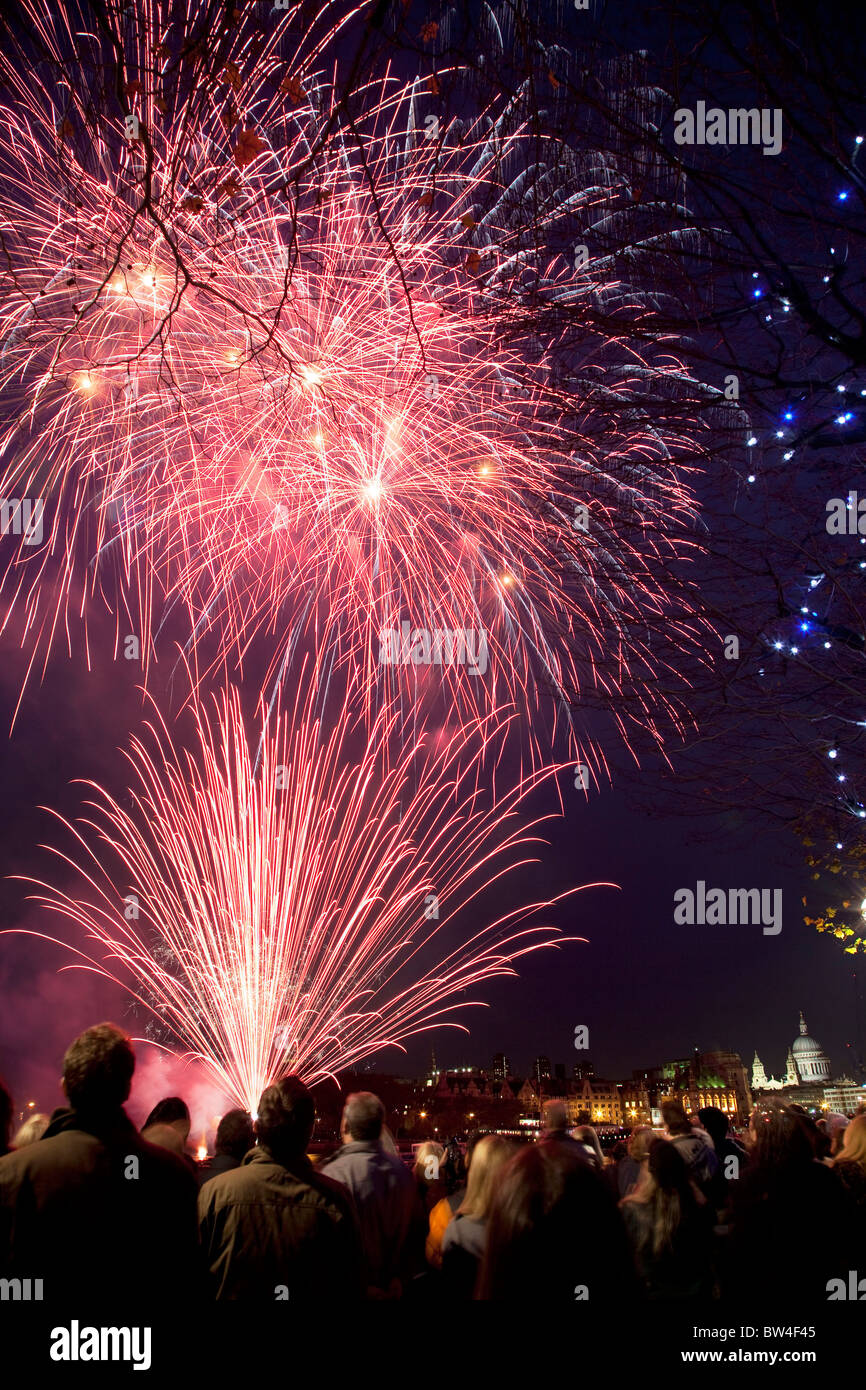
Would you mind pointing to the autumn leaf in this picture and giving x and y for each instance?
(433, 84)
(468, 221)
(192, 204)
(232, 75)
(248, 148)
(293, 88)
(133, 89)
(193, 53)
(473, 261)
(229, 117)
(230, 187)
(553, 81)
(66, 130)
(161, 105)
(429, 32)
(426, 200)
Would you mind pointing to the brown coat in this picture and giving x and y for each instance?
(95, 1211)
(271, 1232)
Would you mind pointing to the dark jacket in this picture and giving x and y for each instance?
(791, 1231)
(462, 1250)
(216, 1166)
(98, 1213)
(271, 1230)
(388, 1210)
(570, 1145)
(679, 1271)
(852, 1176)
(699, 1157)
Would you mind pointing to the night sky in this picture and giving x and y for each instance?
(648, 989)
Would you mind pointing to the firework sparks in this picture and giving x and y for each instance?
(302, 371)
(293, 914)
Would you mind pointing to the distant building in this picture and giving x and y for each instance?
(541, 1069)
(634, 1102)
(706, 1079)
(811, 1060)
(501, 1067)
(807, 1071)
(844, 1096)
(601, 1100)
(465, 1083)
(762, 1082)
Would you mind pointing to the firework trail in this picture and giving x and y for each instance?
(293, 915)
(296, 366)
(292, 360)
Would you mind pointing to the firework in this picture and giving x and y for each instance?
(302, 368)
(295, 910)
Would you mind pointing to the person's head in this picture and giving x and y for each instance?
(363, 1118)
(552, 1226)
(854, 1145)
(286, 1119)
(429, 1158)
(172, 1112)
(781, 1136)
(639, 1143)
(667, 1168)
(473, 1140)
(32, 1129)
(98, 1069)
(588, 1137)
(235, 1135)
(836, 1127)
(715, 1122)
(668, 1193)
(456, 1164)
(619, 1151)
(556, 1116)
(674, 1117)
(488, 1157)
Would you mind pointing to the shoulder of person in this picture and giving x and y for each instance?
(169, 1162)
(334, 1192)
(399, 1167)
(449, 1235)
(338, 1156)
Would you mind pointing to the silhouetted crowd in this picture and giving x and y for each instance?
(95, 1208)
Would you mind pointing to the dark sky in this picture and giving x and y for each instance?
(648, 989)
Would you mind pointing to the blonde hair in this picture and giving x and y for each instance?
(30, 1131)
(639, 1143)
(489, 1155)
(854, 1148)
(429, 1149)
